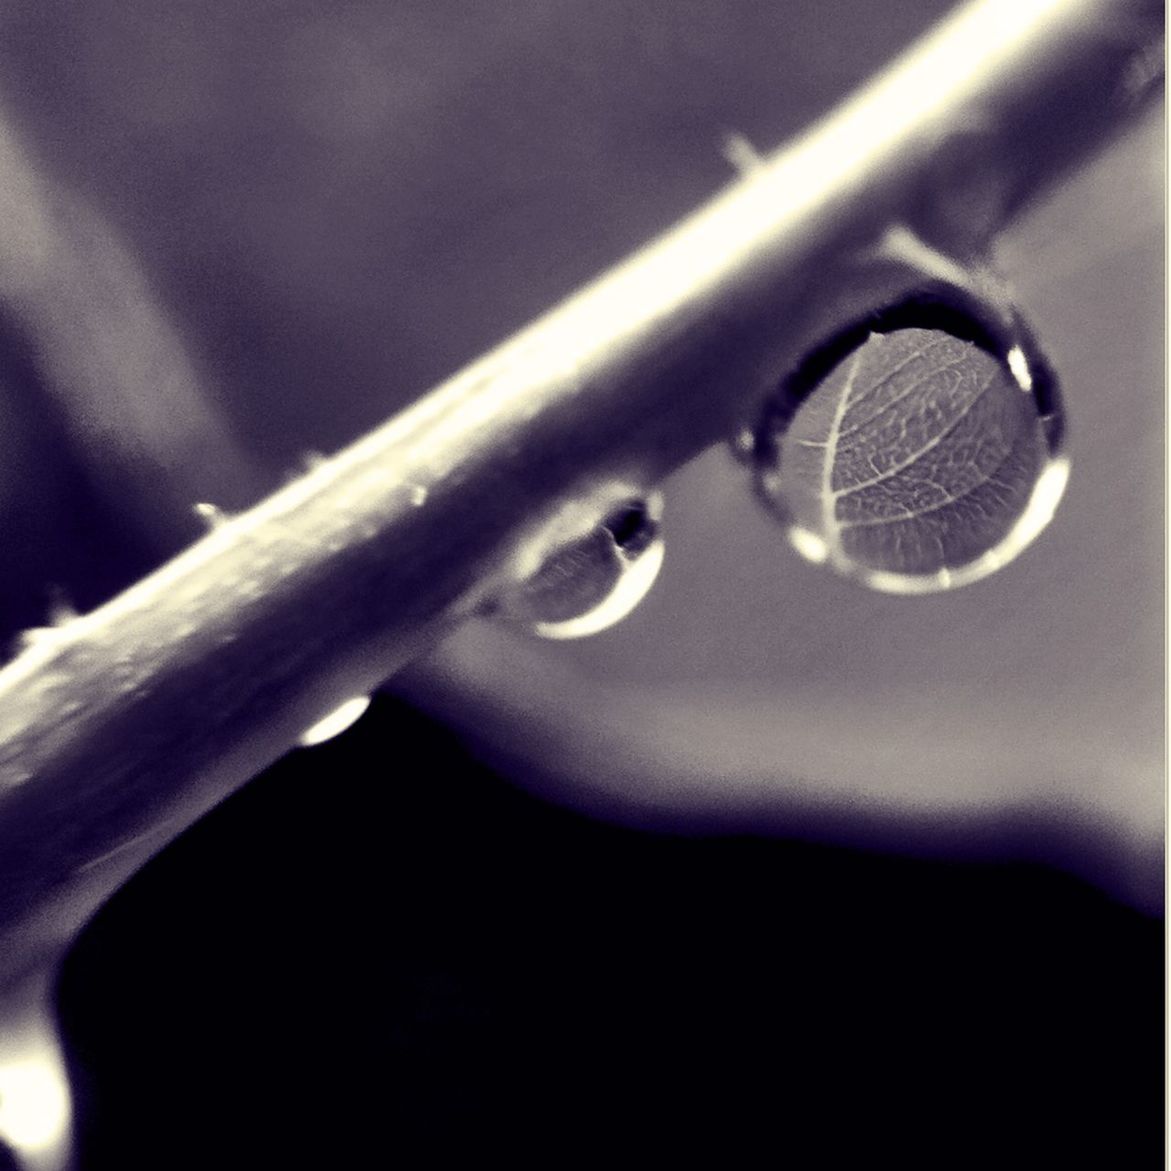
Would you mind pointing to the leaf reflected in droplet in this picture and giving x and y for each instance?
(918, 462)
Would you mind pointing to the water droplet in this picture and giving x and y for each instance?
(918, 458)
(418, 495)
(35, 1103)
(591, 583)
(335, 723)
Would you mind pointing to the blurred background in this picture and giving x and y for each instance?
(775, 858)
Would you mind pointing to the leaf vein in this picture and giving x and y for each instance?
(829, 514)
(914, 386)
(917, 455)
(916, 513)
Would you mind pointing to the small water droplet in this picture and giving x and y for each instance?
(917, 458)
(589, 584)
(418, 495)
(36, 1113)
(335, 723)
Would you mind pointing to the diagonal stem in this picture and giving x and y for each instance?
(124, 726)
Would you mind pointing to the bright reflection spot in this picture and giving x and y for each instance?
(34, 1104)
(35, 1110)
(630, 589)
(1019, 368)
(1038, 513)
(336, 722)
(809, 545)
(1043, 504)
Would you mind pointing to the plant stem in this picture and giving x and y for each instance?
(121, 728)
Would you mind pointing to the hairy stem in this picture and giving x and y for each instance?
(122, 727)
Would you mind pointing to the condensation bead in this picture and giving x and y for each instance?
(920, 461)
(594, 581)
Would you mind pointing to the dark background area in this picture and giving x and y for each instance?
(380, 953)
(507, 914)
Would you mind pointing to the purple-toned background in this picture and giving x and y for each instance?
(233, 233)
(326, 209)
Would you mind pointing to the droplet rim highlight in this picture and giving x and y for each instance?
(953, 310)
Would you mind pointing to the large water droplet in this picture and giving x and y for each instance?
(916, 459)
(590, 583)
